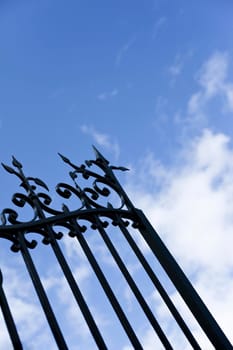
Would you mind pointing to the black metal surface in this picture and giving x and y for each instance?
(57, 333)
(8, 318)
(93, 210)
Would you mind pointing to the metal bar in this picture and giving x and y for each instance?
(182, 284)
(42, 295)
(78, 296)
(60, 218)
(11, 327)
(109, 293)
(158, 285)
(133, 286)
(68, 274)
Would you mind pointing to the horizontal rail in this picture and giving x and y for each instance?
(86, 214)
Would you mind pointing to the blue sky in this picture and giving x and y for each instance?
(150, 84)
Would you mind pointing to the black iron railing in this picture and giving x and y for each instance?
(99, 215)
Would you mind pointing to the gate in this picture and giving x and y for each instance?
(98, 213)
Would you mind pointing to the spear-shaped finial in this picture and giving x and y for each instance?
(16, 164)
(66, 160)
(99, 156)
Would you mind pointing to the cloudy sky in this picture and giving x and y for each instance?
(149, 83)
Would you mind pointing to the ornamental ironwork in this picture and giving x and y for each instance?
(101, 203)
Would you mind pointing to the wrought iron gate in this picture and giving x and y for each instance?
(98, 215)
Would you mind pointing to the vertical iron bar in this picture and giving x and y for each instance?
(108, 290)
(78, 295)
(67, 272)
(41, 294)
(9, 318)
(133, 286)
(182, 284)
(158, 285)
(175, 273)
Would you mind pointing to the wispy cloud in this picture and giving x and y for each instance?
(123, 51)
(158, 25)
(177, 67)
(213, 74)
(103, 96)
(213, 86)
(213, 82)
(56, 93)
(102, 139)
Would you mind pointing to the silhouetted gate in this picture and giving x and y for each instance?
(99, 216)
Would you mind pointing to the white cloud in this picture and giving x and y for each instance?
(58, 92)
(176, 68)
(213, 82)
(106, 95)
(114, 92)
(123, 51)
(213, 74)
(158, 25)
(102, 96)
(192, 208)
(102, 139)
(228, 91)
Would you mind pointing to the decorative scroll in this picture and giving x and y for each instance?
(100, 196)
